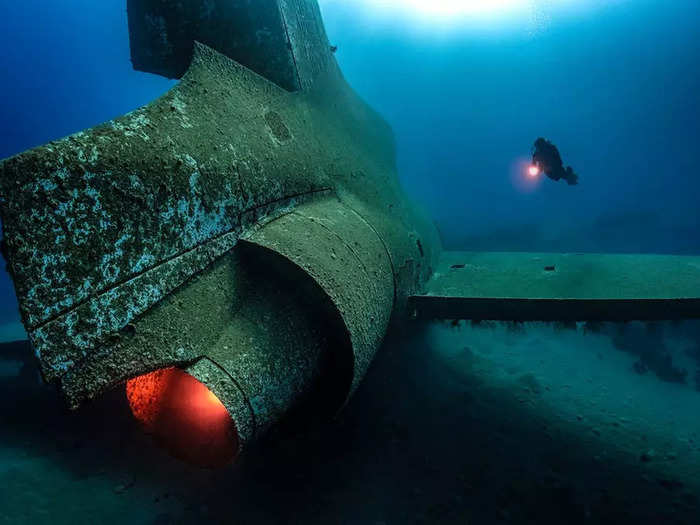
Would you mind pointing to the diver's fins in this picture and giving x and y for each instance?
(571, 177)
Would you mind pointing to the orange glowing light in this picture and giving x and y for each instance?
(533, 170)
(184, 416)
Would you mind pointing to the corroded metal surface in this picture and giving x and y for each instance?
(211, 158)
(162, 34)
(138, 244)
(561, 287)
(308, 42)
(252, 333)
(348, 260)
(178, 330)
(230, 394)
(271, 348)
(282, 40)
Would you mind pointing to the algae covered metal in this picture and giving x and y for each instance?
(512, 286)
(247, 226)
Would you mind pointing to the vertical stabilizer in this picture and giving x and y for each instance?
(281, 40)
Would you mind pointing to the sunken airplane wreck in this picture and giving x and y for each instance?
(235, 251)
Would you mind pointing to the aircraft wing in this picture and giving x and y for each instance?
(561, 287)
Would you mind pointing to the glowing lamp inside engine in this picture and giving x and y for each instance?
(533, 170)
(184, 416)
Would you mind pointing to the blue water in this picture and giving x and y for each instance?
(614, 86)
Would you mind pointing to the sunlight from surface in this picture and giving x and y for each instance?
(451, 8)
(524, 16)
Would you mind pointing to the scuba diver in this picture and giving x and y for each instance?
(546, 158)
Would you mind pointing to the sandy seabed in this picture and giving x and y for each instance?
(467, 424)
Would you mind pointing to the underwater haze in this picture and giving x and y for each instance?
(613, 84)
(456, 422)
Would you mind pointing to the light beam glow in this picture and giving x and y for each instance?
(533, 171)
(444, 16)
(522, 178)
(443, 11)
(456, 8)
(184, 416)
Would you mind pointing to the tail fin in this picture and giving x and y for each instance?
(281, 40)
(571, 177)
